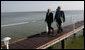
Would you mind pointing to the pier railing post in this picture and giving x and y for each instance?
(83, 32)
(50, 47)
(73, 20)
(63, 44)
(74, 35)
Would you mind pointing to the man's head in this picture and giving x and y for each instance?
(49, 10)
(59, 8)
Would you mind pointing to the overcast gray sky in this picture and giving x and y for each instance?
(21, 6)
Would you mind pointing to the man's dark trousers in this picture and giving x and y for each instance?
(49, 27)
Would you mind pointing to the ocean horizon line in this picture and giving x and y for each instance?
(39, 11)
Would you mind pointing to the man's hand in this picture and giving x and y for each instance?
(63, 20)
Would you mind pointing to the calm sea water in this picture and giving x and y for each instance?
(18, 25)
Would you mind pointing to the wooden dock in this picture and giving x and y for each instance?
(43, 41)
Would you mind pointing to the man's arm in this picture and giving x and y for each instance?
(63, 15)
(55, 17)
(52, 17)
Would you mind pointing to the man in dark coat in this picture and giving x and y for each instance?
(49, 20)
(60, 18)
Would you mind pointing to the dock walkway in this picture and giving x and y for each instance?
(43, 41)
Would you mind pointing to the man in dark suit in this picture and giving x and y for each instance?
(60, 18)
(49, 20)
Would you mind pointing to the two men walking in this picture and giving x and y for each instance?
(59, 18)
